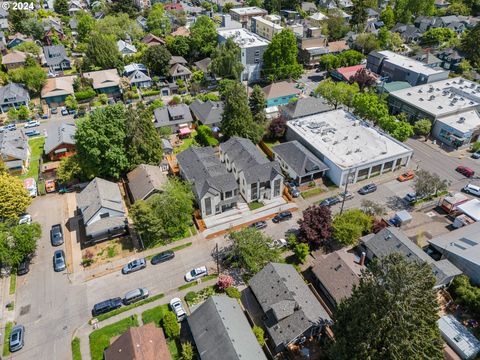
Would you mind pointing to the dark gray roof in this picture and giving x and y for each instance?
(63, 134)
(55, 54)
(289, 304)
(138, 76)
(144, 180)
(208, 112)
(203, 64)
(306, 106)
(221, 331)
(204, 170)
(14, 144)
(99, 194)
(391, 240)
(299, 158)
(172, 115)
(166, 144)
(13, 92)
(247, 158)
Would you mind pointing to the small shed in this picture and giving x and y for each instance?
(457, 336)
(401, 218)
(470, 208)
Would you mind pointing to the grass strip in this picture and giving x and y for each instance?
(154, 315)
(13, 282)
(76, 354)
(6, 341)
(122, 309)
(187, 285)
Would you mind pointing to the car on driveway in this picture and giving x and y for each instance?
(32, 123)
(177, 307)
(17, 340)
(196, 273)
(56, 235)
(59, 263)
(409, 175)
(476, 155)
(472, 189)
(106, 306)
(32, 133)
(64, 112)
(283, 216)
(292, 188)
(367, 189)
(330, 201)
(465, 171)
(279, 243)
(259, 225)
(24, 267)
(162, 257)
(134, 265)
(410, 198)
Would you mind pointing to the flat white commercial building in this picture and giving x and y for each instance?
(458, 337)
(349, 147)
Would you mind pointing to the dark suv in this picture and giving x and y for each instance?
(367, 189)
(56, 235)
(330, 201)
(106, 306)
(163, 256)
(283, 216)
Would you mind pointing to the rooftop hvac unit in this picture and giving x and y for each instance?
(345, 138)
(432, 97)
(349, 152)
(461, 120)
(357, 150)
(421, 99)
(420, 90)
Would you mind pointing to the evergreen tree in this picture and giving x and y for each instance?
(102, 52)
(388, 17)
(157, 59)
(257, 104)
(359, 14)
(280, 57)
(61, 7)
(391, 314)
(469, 45)
(226, 61)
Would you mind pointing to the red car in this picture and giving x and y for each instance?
(465, 171)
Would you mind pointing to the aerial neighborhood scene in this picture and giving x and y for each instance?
(240, 180)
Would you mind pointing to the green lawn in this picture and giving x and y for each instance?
(270, 143)
(76, 354)
(209, 277)
(100, 339)
(13, 281)
(155, 314)
(174, 348)
(312, 192)
(187, 285)
(186, 143)
(36, 147)
(6, 345)
(255, 205)
(122, 309)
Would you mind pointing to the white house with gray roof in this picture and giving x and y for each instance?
(13, 95)
(291, 310)
(221, 331)
(258, 178)
(215, 189)
(102, 210)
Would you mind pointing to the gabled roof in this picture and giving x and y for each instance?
(13, 92)
(203, 64)
(14, 57)
(144, 180)
(130, 68)
(172, 115)
(138, 76)
(280, 89)
(208, 112)
(307, 106)
(98, 194)
(123, 45)
(178, 60)
(221, 331)
(179, 69)
(63, 134)
(58, 86)
(289, 304)
(14, 144)
(151, 39)
(55, 54)
(299, 158)
(103, 78)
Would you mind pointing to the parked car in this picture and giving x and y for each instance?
(472, 189)
(110, 101)
(25, 219)
(59, 263)
(177, 307)
(72, 112)
(196, 273)
(259, 225)
(135, 295)
(54, 110)
(10, 127)
(465, 171)
(64, 112)
(50, 186)
(44, 116)
(32, 123)
(17, 340)
(106, 306)
(367, 189)
(330, 201)
(410, 198)
(24, 267)
(279, 243)
(409, 175)
(134, 265)
(292, 188)
(31, 133)
(476, 155)
(347, 194)
(162, 257)
(56, 235)
(283, 216)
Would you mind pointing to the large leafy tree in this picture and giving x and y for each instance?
(119, 26)
(335, 26)
(250, 250)
(164, 217)
(33, 76)
(143, 144)
(469, 45)
(100, 142)
(406, 10)
(123, 7)
(157, 21)
(14, 198)
(422, 127)
(69, 169)
(157, 59)
(427, 184)
(359, 14)
(364, 78)
(17, 242)
(236, 117)
(366, 42)
(388, 17)
(316, 226)
(61, 7)
(438, 36)
(203, 36)
(337, 93)
(257, 104)
(226, 60)
(178, 45)
(280, 57)
(391, 314)
(86, 24)
(102, 52)
(349, 226)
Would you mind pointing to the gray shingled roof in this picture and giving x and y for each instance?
(55, 54)
(299, 158)
(306, 106)
(63, 134)
(144, 180)
(138, 76)
(279, 286)
(204, 170)
(208, 112)
(13, 91)
(99, 193)
(14, 144)
(172, 115)
(221, 331)
(247, 158)
(203, 64)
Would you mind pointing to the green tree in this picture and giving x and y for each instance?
(143, 145)
(366, 43)
(369, 106)
(237, 119)
(259, 334)
(437, 36)
(12, 114)
(17, 242)
(388, 17)
(123, 7)
(33, 27)
(349, 226)
(69, 169)
(226, 62)
(464, 67)
(164, 217)
(14, 198)
(335, 26)
(227, 7)
(100, 142)
(29, 47)
(157, 21)
(251, 250)
(33, 77)
(280, 57)
(402, 130)
(61, 7)
(157, 59)
(120, 26)
(170, 325)
(359, 14)
(257, 104)
(329, 62)
(71, 102)
(178, 45)
(86, 24)
(389, 40)
(102, 52)
(350, 58)
(466, 294)
(406, 10)
(23, 113)
(391, 314)
(301, 251)
(458, 8)
(203, 37)
(422, 127)
(427, 184)
(337, 93)
(187, 351)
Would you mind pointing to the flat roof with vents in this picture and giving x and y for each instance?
(243, 38)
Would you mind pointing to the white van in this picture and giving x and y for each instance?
(472, 189)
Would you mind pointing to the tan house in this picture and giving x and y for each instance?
(56, 90)
(105, 81)
(14, 59)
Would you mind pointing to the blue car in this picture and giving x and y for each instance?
(31, 133)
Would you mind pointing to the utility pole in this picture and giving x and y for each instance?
(216, 256)
(345, 191)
